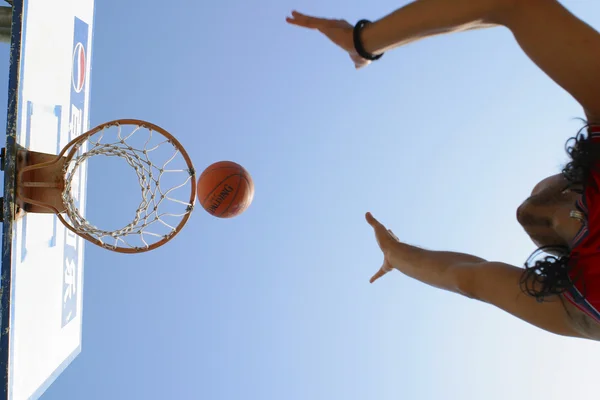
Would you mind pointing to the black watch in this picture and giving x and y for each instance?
(358, 46)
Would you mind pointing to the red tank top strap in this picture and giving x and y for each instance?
(594, 133)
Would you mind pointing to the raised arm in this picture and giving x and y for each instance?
(491, 282)
(563, 46)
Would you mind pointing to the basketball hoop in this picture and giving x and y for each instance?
(47, 183)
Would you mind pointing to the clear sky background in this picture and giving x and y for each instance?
(441, 140)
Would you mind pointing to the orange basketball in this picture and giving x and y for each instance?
(225, 189)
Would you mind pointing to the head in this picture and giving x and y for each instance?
(550, 274)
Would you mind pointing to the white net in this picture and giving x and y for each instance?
(165, 181)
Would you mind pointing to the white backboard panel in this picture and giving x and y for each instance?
(42, 266)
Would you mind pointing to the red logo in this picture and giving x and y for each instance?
(78, 69)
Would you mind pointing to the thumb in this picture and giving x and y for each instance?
(358, 61)
(382, 271)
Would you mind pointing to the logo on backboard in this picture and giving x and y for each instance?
(72, 268)
(79, 67)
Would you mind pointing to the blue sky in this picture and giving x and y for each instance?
(441, 140)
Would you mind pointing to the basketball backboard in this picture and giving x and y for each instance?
(42, 262)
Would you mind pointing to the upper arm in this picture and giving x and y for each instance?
(563, 46)
(498, 284)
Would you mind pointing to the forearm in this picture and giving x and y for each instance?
(440, 269)
(562, 45)
(426, 18)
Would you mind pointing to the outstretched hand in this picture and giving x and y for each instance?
(338, 31)
(389, 245)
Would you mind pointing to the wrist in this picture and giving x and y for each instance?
(372, 40)
(360, 47)
(404, 257)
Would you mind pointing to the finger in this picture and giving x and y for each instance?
(381, 233)
(308, 21)
(298, 22)
(382, 271)
(380, 230)
(304, 17)
(373, 221)
(393, 235)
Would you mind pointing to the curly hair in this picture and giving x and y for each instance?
(554, 275)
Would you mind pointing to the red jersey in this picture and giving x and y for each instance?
(585, 253)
